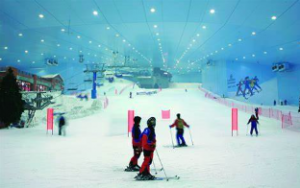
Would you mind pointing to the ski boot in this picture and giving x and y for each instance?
(132, 168)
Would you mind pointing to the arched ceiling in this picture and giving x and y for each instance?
(172, 34)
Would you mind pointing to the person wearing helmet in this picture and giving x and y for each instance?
(254, 121)
(136, 145)
(180, 123)
(148, 145)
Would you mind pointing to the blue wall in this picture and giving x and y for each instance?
(187, 78)
(270, 86)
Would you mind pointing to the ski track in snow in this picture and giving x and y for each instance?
(96, 150)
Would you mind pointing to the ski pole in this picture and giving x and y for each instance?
(191, 136)
(162, 165)
(154, 167)
(172, 138)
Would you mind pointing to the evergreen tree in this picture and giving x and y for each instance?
(11, 103)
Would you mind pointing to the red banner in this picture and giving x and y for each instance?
(130, 120)
(50, 119)
(234, 120)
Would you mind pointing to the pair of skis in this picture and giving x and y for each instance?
(163, 178)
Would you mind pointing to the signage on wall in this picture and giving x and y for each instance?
(248, 87)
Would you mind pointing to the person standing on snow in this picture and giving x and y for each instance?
(148, 145)
(254, 121)
(62, 125)
(180, 123)
(136, 145)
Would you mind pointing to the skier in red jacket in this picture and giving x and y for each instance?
(136, 145)
(180, 123)
(148, 145)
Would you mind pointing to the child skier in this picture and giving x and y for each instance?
(148, 145)
(254, 123)
(180, 123)
(136, 145)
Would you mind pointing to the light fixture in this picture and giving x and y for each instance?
(117, 35)
(33, 62)
(155, 26)
(240, 40)
(204, 27)
(212, 11)
(157, 34)
(124, 40)
(42, 54)
(90, 42)
(63, 30)
(71, 48)
(20, 35)
(253, 33)
(222, 48)
(280, 49)
(99, 46)
(152, 10)
(229, 45)
(5, 47)
(244, 57)
(108, 28)
(42, 40)
(158, 39)
(0, 59)
(65, 57)
(194, 40)
(58, 45)
(19, 60)
(95, 13)
(274, 18)
(78, 36)
(265, 52)
(26, 51)
(253, 55)
(41, 16)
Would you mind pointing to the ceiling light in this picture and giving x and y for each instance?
(26, 51)
(152, 10)
(124, 40)
(240, 40)
(157, 34)
(244, 57)
(41, 16)
(212, 11)
(265, 52)
(274, 17)
(0, 59)
(117, 35)
(198, 35)
(20, 35)
(42, 40)
(253, 55)
(19, 60)
(80, 51)
(155, 26)
(194, 40)
(253, 33)
(71, 48)
(58, 45)
(5, 48)
(78, 36)
(280, 49)
(99, 46)
(108, 28)
(204, 27)
(42, 53)
(229, 45)
(158, 39)
(222, 48)
(65, 57)
(90, 42)
(95, 13)
(63, 30)
(33, 62)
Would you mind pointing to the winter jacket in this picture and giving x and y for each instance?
(179, 123)
(149, 139)
(136, 136)
(253, 121)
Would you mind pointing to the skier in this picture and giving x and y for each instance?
(148, 145)
(130, 95)
(180, 123)
(239, 88)
(256, 113)
(247, 87)
(254, 122)
(256, 80)
(62, 125)
(136, 145)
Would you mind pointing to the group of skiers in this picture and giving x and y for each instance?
(146, 142)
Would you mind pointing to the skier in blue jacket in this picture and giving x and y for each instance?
(253, 120)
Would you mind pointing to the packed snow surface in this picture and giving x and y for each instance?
(96, 149)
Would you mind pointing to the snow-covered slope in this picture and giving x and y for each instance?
(96, 149)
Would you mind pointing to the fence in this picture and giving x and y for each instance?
(287, 119)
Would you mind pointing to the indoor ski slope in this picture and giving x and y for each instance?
(96, 149)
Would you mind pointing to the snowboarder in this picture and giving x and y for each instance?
(254, 121)
(148, 145)
(180, 123)
(256, 113)
(136, 145)
(62, 125)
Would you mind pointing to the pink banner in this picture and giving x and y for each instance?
(165, 114)
(130, 120)
(234, 120)
(50, 119)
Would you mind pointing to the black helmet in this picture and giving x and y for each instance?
(178, 116)
(151, 121)
(137, 119)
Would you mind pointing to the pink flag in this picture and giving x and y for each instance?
(165, 114)
(130, 120)
(234, 120)
(50, 119)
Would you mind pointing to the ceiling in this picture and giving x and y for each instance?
(172, 34)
